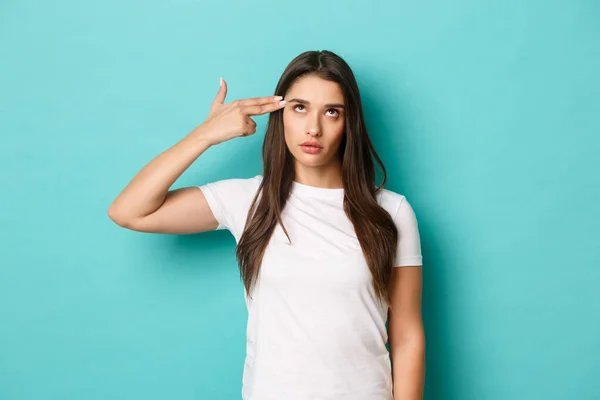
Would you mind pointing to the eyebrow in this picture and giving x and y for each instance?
(302, 101)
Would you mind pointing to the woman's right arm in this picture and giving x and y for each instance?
(147, 205)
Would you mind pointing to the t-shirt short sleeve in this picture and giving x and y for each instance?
(409, 243)
(229, 201)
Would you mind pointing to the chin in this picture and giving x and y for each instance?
(310, 160)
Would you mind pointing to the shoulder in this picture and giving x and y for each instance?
(235, 186)
(230, 199)
(408, 251)
(391, 201)
(232, 195)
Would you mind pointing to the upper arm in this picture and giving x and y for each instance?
(215, 205)
(185, 210)
(405, 321)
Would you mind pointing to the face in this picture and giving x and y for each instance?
(314, 112)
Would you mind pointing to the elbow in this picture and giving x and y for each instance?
(407, 336)
(414, 341)
(118, 217)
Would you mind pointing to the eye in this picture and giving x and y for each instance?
(335, 111)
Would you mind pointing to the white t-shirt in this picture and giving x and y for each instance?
(315, 330)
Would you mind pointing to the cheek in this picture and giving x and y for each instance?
(290, 126)
(336, 131)
(288, 129)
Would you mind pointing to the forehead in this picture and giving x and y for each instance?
(316, 90)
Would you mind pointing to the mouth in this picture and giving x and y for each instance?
(311, 144)
(310, 148)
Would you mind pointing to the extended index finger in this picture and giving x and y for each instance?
(259, 101)
(264, 108)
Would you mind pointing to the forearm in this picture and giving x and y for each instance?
(146, 192)
(408, 364)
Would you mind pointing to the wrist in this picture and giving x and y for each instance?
(194, 145)
(199, 136)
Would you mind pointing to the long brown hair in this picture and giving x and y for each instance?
(374, 227)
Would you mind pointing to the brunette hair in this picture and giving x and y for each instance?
(373, 225)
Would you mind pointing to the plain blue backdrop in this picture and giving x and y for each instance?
(485, 114)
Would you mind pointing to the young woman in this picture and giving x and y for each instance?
(326, 257)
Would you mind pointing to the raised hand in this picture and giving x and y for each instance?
(226, 121)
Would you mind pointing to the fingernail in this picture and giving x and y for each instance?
(220, 81)
(278, 98)
(282, 102)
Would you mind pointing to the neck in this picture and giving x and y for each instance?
(329, 177)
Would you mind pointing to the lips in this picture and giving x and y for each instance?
(312, 144)
(311, 147)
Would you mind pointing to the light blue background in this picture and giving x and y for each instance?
(485, 114)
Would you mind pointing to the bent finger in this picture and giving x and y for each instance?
(250, 129)
(250, 122)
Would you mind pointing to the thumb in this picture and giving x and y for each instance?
(220, 99)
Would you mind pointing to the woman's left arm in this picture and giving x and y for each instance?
(406, 334)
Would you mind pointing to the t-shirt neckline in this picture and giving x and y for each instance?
(313, 191)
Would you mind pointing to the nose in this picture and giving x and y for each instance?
(314, 125)
(314, 129)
